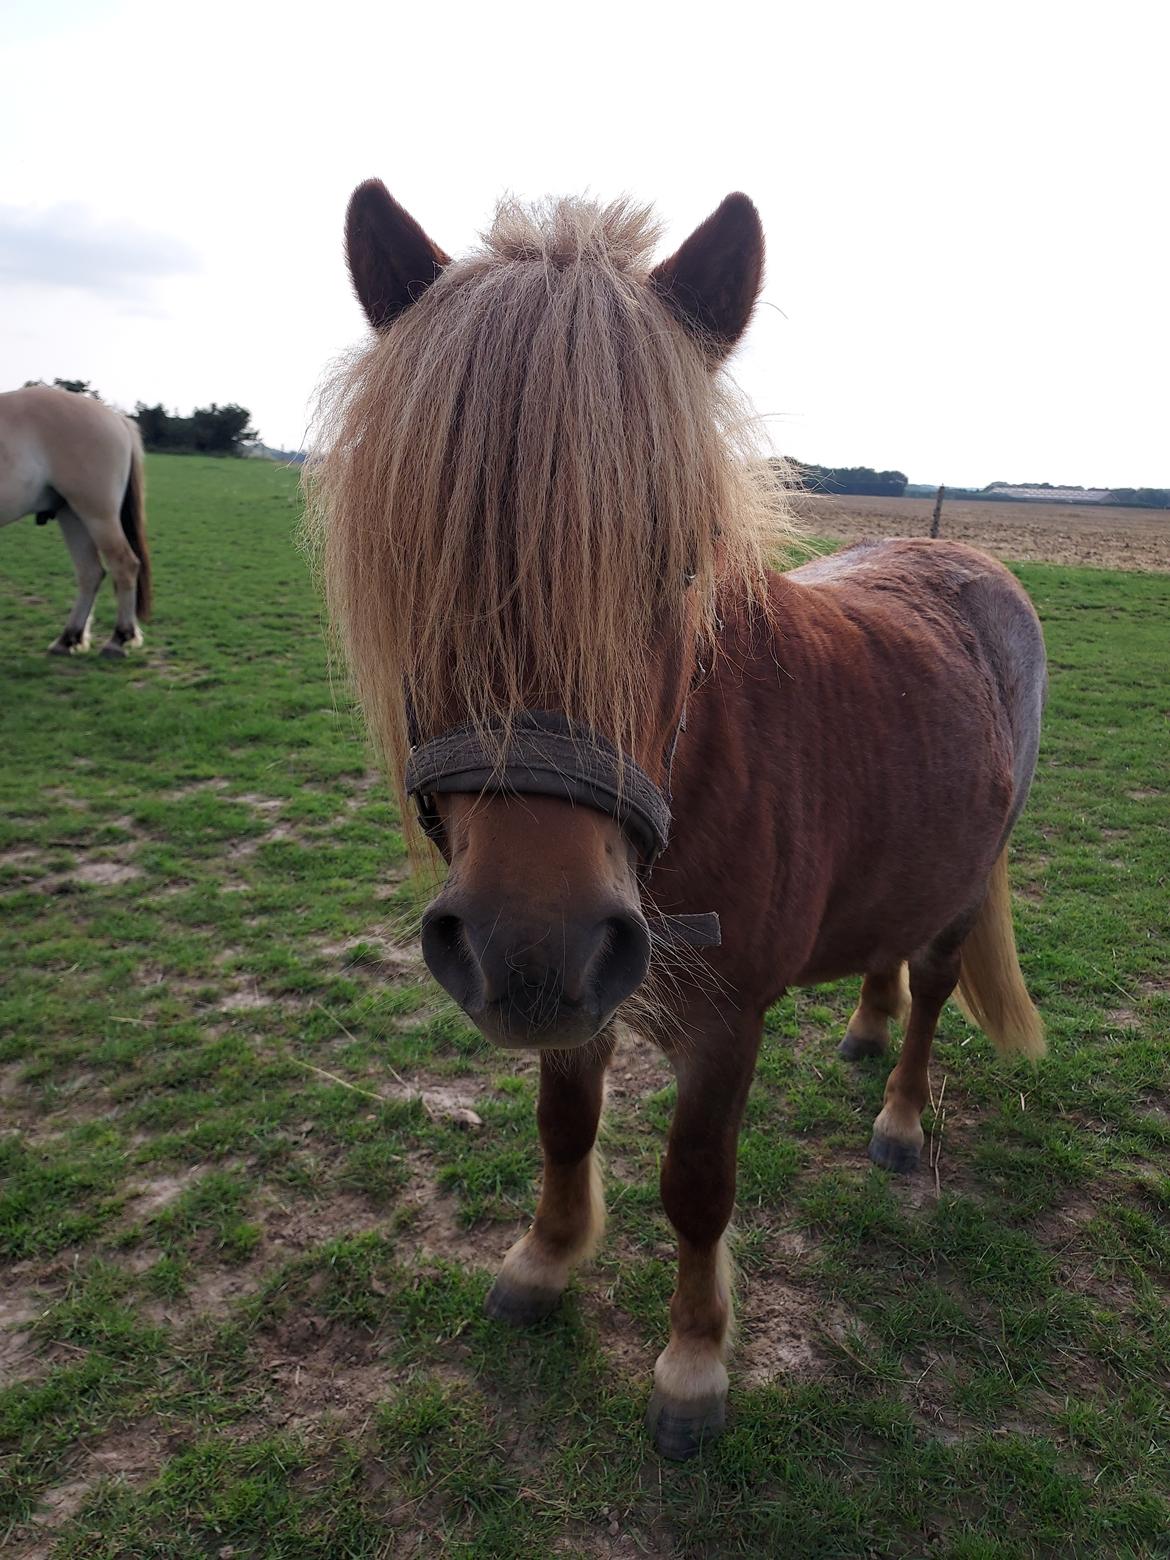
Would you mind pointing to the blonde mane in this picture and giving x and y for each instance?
(518, 477)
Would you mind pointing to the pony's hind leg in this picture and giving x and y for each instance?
(571, 1211)
(897, 1138)
(689, 1400)
(88, 568)
(122, 562)
(884, 996)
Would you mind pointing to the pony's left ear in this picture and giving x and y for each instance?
(711, 283)
(391, 259)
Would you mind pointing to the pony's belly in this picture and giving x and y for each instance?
(24, 484)
(863, 930)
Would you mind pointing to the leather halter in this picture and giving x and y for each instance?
(545, 755)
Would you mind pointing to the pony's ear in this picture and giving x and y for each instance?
(391, 259)
(711, 283)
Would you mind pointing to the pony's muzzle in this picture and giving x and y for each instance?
(527, 984)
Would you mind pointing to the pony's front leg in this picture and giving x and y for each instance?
(698, 1192)
(571, 1212)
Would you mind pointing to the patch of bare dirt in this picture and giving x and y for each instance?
(322, 1370)
(785, 1332)
(241, 850)
(158, 1193)
(131, 1456)
(394, 958)
(638, 1069)
(431, 1221)
(244, 1001)
(262, 804)
(101, 867)
(103, 874)
(66, 798)
(19, 1309)
(293, 1224)
(27, 862)
(1097, 536)
(194, 787)
(1122, 1018)
(392, 881)
(370, 781)
(11, 1075)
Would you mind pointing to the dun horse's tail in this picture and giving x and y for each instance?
(991, 987)
(134, 523)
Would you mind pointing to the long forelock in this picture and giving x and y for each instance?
(519, 477)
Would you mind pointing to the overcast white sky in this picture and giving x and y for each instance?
(966, 204)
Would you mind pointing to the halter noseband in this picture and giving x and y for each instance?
(544, 755)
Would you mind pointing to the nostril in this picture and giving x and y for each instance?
(624, 958)
(447, 956)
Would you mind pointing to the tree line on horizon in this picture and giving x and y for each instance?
(864, 480)
(846, 479)
(209, 430)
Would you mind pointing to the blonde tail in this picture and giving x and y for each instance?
(991, 988)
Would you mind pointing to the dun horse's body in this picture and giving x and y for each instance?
(69, 458)
(530, 502)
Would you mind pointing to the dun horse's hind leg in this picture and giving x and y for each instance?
(698, 1192)
(88, 568)
(571, 1211)
(883, 996)
(897, 1138)
(120, 559)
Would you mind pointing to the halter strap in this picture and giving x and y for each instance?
(542, 756)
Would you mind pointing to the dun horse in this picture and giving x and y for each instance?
(68, 458)
(545, 555)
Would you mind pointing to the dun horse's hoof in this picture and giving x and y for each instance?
(519, 1307)
(854, 1047)
(679, 1430)
(891, 1154)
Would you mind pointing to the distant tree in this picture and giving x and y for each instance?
(210, 430)
(77, 386)
(222, 430)
(849, 479)
(154, 425)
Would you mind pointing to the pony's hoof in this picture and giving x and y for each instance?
(519, 1307)
(67, 647)
(113, 651)
(854, 1048)
(679, 1430)
(891, 1154)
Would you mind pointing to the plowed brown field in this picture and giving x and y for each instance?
(1104, 538)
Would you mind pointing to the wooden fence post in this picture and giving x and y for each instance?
(938, 498)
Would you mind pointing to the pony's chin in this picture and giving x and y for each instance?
(568, 1030)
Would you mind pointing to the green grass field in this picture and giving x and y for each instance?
(245, 1239)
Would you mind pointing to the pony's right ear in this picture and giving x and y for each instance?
(391, 260)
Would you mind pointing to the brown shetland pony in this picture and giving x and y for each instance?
(534, 498)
